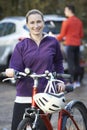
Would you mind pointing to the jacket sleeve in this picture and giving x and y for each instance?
(16, 61)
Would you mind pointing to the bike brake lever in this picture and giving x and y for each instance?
(6, 79)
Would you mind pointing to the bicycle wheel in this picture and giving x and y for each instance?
(25, 124)
(79, 112)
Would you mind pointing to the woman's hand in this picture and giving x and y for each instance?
(61, 87)
(9, 72)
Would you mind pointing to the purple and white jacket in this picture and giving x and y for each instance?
(46, 56)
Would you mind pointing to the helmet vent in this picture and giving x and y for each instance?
(51, 109)
(55, 106)
(41, 101)
(63, 100)
(38, 103)
(45, 99)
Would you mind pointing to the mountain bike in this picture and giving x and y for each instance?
(71, 116)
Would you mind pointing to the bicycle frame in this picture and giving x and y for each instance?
(45, 116)
(33, 105)
(35, 110)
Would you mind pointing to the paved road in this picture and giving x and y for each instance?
(7, 95)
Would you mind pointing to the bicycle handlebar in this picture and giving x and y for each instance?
(29, 73)
(47, 75)
(65, 76)
(3, 74)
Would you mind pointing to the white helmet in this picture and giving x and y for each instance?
(50, 102)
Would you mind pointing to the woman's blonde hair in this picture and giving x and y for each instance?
(33, 11)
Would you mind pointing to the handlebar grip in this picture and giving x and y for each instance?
(69, 88)
(3, 74)
(65, 76)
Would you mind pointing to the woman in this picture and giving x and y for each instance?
(39, 52)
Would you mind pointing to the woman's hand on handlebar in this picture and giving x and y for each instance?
(9, 72)
(61, 87)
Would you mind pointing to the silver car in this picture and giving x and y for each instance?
(12, 30)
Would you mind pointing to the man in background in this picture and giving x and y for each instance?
(72, 33)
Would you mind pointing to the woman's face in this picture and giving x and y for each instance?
(35, 24)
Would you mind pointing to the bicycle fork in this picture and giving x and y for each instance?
(62, 113)
(35, 123)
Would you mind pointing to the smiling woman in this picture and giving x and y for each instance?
(35, 23)
(28, 54)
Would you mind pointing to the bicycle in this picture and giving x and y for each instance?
(71, 116)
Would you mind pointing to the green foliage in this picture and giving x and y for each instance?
(20, 7)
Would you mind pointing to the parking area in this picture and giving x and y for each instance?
(7, 96)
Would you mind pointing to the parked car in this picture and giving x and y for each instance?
(12, 30)
(53, 23)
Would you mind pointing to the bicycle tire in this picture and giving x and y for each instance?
(79, 112)
(26, 124)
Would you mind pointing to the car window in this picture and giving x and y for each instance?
(26, 28)
(53, 26)
(7, 28)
